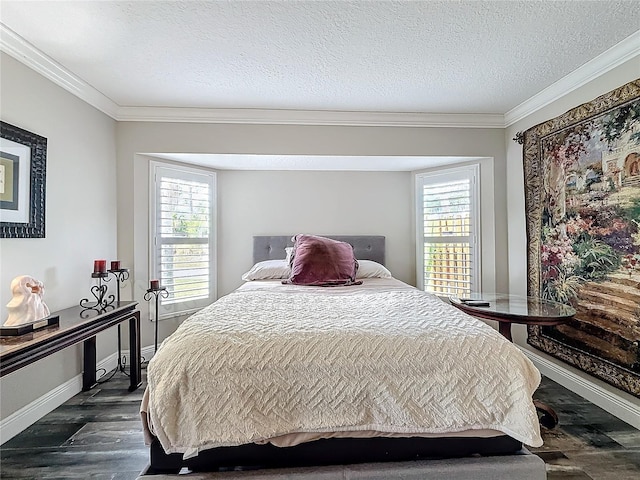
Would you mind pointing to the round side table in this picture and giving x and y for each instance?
(508, 309)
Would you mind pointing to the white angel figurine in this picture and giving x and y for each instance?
(26, 305)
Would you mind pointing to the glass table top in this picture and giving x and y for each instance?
(515, 306)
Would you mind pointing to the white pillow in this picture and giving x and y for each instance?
(267, 270)
(289, 253)
(371, 269)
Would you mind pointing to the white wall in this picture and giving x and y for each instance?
(584, 384)
(332, 203)
(80, 216)
(254, 203)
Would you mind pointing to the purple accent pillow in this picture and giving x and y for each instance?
(322, 261)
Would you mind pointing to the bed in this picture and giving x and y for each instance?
(279, 375)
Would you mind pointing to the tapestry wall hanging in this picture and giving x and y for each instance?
(582, 202)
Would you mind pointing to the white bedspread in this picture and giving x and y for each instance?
(270, 359)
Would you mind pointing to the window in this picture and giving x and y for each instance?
(182, 236)
(448, 253)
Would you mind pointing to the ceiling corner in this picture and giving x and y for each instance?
(620, 53)
(16, 46)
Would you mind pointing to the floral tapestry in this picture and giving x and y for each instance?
(582, 201)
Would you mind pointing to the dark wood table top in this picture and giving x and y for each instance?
(71, 320)
(516, 309)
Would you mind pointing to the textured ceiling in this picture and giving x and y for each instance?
(392, 56)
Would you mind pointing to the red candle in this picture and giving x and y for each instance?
(115, 265)
(155, 284)
(99, 266)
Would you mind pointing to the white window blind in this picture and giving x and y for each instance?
(448, 228)
(182, 247)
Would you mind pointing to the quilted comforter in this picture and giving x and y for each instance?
(267, 361)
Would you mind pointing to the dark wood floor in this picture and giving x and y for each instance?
(97, 435)
(589, 443)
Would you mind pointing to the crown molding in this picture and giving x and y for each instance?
(307, 117)
(16, 46)
(606, 61)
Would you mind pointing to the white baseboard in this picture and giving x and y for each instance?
(34, 411)
(626, 410)
(29, 414)
(147, 352)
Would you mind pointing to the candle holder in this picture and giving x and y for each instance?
(121, 274)
(156, 292)
(99, 292)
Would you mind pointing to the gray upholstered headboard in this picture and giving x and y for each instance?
(365, 247)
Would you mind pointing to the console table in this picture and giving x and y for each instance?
(76, 325)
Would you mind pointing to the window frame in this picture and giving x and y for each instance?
(441, 175)
(183, 172)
